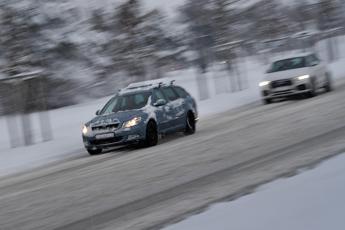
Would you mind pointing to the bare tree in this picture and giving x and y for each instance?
(330, 14)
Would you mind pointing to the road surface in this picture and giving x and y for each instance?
(230, 155)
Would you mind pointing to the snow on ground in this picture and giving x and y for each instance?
(312, 200)
(66, 125)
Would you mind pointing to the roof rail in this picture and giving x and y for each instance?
(166, 83)
(139, 86)
(142, 84)
(146, 84)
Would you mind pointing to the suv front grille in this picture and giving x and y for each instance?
(110, 127)
(281, 83)
(106, 141)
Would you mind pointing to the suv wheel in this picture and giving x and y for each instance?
(151, 134)
(93, 152)
(190, 124)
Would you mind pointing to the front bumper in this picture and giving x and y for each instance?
(121, 137)
(286, 91)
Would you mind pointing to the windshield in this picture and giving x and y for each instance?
(126, 102)
(292, 63)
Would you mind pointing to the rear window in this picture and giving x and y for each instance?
(181, 92)
(169, 93)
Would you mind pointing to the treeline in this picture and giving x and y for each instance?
(94, 51)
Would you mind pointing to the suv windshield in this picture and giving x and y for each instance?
(126, 102)
(292, 63)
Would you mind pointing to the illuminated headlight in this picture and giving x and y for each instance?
(85, 130)
(304, 77)
(129, 124)
(264, 83)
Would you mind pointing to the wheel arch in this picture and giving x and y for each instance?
(151, 120)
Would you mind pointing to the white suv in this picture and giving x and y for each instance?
(298, 75)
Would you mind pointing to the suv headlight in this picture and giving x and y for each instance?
(85, 130)
(264, 83)
(303, 77)
(129, 124)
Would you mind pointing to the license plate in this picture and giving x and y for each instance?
(105, 136)
(283, 88)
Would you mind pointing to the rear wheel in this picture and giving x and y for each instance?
(190, 124)
(151, 134)
(93, 152)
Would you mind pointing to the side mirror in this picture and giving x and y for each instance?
(98, 112)
(160, 102)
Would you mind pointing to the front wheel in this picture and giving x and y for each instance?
(190, 124)
(151, 134)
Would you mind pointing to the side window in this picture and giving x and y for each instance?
(139, 100)
(181, 92)
(169, 93)
(157, 94)
(315, 57)
(110, 106)
(313, 60)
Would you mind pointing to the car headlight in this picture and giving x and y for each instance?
(303, 77)
(85, 130)
(129, 124)
(264, 83)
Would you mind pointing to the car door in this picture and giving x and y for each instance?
(181, 106)
(172, 109)
(161, 111)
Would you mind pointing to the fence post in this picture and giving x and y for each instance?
(11, 108)
(24, 89)
(45, 123)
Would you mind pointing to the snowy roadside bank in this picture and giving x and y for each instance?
(311, 200)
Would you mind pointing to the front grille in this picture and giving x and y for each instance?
(281, 83)
(110, 127)
(113, 140)
(284, 92)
